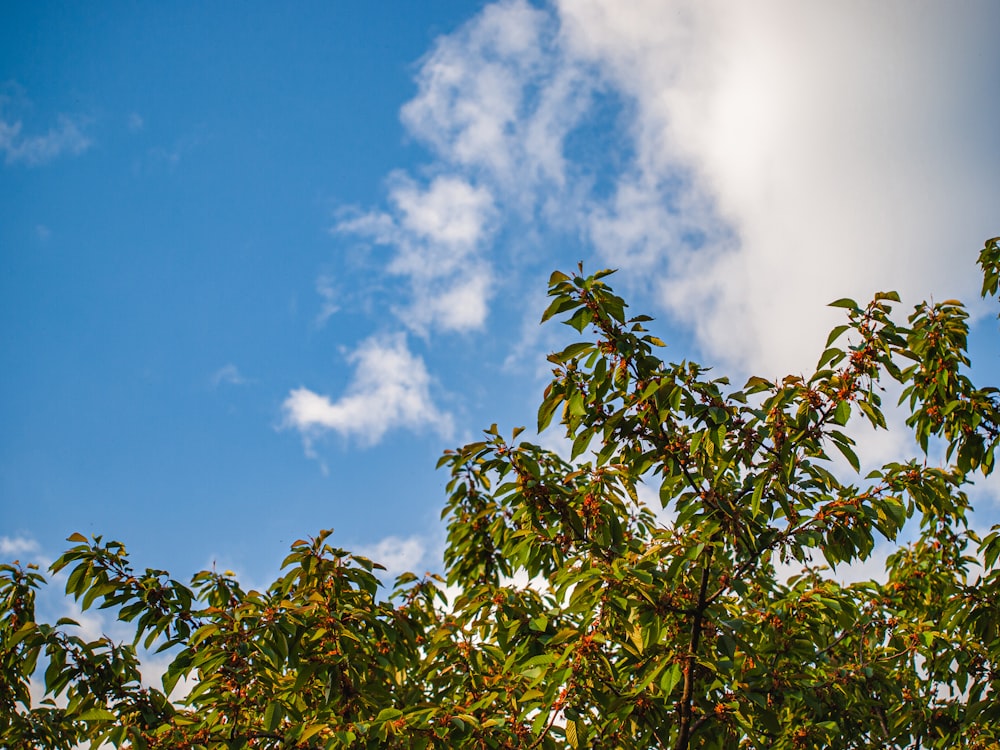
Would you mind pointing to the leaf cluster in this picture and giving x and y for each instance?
(628, 595)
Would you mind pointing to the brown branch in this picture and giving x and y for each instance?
(545, 733)
(687, 696)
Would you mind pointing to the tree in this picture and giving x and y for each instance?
(638, 629)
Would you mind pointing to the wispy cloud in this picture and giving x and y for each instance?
(13, 546)
(390, 389)
(497, 97)
(66, 137)
(438, 233)
(327, 290)
(167, 158)
(228, 374)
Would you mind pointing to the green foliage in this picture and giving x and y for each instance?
(639, 629)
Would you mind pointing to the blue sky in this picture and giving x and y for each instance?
(262, 265)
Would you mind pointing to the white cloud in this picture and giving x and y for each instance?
(845, 145)
(228, 374)
(460, 306)
(398, 555)
(491, 100)
(652, 224)
(11, 546)
(439, 234)
(66, 137)
(449, 215)
(390, 389)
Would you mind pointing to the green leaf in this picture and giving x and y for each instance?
(96, 714)
(548, 409)
(539, 723)
(272, 716)
(670, 678)
(580, 319)
(573, 351)
(755, 384)
(830, 356)
(758, 493)
(572, 734)
(845, 302)
(836, 333)
(580, 443)
(559, 305)
(309, 730)
(842, 413)
(850, 455)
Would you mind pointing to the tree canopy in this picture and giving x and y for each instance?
(666, 624)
